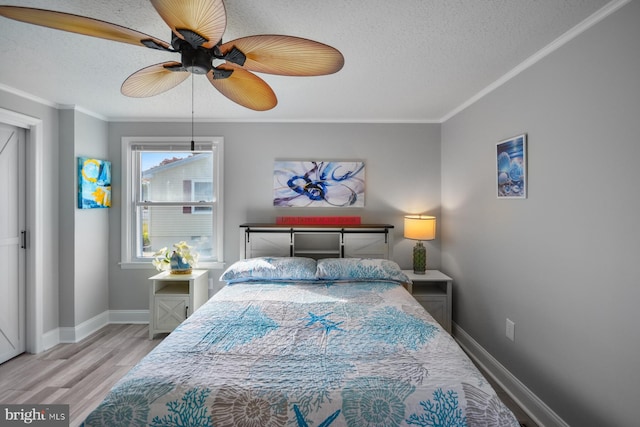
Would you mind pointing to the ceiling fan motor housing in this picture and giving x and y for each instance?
(195, 58)
(197, 61)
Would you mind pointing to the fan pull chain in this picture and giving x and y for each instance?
(193, 144)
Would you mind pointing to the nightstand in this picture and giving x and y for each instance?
(174, 297)
(433, 290)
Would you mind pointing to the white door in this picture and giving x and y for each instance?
(12, 242)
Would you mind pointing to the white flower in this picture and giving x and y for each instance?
(162, 258)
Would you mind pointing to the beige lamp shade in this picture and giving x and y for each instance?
(420, 227)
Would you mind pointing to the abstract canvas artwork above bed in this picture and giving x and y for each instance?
(295, 342)
(298, 183)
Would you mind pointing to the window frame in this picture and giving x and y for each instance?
(129, 258)
(197, 210)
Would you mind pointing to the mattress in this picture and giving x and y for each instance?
(291, 351)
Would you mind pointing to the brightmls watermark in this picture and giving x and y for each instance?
(34, 415)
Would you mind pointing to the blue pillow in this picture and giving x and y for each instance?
(360, 269)
(270, 268)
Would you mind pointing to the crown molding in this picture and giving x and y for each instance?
(598, 16)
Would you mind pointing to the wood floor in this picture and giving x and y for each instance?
(78, 374)
(522, 416)
(81, 374)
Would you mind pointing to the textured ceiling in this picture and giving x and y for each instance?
(405, 61)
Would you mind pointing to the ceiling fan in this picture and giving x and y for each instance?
(197, 27)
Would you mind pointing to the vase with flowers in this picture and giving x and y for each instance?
(178, 260)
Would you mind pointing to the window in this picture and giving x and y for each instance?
(171, 193)
(201, 191)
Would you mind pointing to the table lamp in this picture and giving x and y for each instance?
(419, 227)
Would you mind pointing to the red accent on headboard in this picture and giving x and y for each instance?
(318, 220)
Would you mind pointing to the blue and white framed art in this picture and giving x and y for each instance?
(300, 183)
(511, 173)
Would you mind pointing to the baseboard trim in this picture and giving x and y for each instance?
(50, 339)
(84, 329)
(535, 408)
(73, 334)
(129, 316)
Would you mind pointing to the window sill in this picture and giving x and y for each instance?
(148, 266)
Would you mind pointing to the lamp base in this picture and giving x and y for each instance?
(419, 259)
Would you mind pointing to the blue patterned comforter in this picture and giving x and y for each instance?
(361, 354)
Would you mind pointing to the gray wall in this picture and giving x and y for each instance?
(402, 176)
(563, 264)
(75, 270)
(50, 118)
(84, 237)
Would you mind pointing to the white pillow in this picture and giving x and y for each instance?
(360, 269)
(271, 268)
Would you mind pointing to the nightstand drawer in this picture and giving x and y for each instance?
(173, 297)
(169, 312)
(436, 306)
(433, 290)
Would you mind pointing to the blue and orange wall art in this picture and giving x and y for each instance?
(94, 183)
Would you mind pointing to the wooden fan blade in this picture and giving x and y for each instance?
(81, 25)
(245, 88)
(153, 80)
(286, 55)
(205, 17)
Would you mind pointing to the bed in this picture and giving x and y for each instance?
(300, 342)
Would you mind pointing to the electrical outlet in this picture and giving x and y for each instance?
(511, 329)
